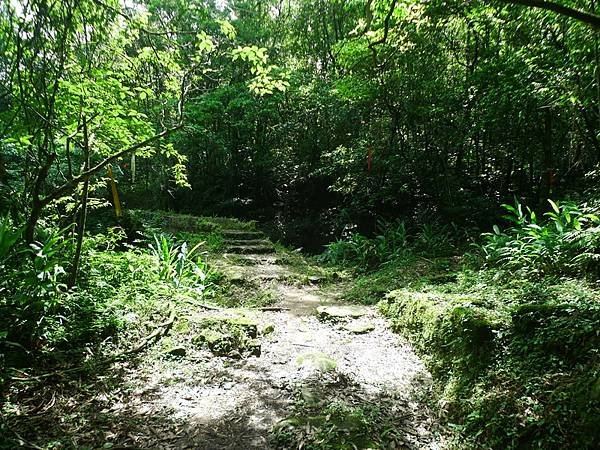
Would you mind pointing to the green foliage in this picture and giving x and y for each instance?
(45, 278)
(178, 264)
(455, 330)
(121, 288)
(267, 78)
(368, 253)
(33, 289)
(392, 245)
(313, 115)
(9, 235)
(567, 241)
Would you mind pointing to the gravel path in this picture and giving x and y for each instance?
(220, 403)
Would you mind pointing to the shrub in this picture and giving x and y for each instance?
(360, 251)
(565, 241)
(33, 283)
(390, 245)
(177, 263)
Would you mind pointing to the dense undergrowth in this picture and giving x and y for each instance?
(133, 272)
(508, 327)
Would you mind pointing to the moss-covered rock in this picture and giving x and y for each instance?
(520, 372)
(317, 360)
(451, 328)
(229, 336)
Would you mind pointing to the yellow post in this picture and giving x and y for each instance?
(115, 193)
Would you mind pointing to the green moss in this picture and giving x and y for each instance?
(229, 336)
(318, 360)
(518, 364)
(450, 328)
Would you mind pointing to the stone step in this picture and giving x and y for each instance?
(243, 242)
(242, 234)
(251, 249)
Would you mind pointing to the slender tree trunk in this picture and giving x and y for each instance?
(37, 205)
(547, 167)
(84, 203)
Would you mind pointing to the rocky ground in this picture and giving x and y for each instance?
(307, 348)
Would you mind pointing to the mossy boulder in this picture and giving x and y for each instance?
(453, 329)
(519, 371)
(229, 336)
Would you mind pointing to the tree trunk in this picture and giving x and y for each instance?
(84, 203)
(547, 164)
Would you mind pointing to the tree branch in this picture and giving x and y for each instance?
(69, 185)
(590, 19)
(386, 29)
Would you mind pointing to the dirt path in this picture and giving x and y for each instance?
(220, 403)
(179, 395)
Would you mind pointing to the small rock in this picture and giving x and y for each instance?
(177, 351)
(267, 329)
(317, 360)
(341, 312)
(359, 327)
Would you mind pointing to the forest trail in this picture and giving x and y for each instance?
(223, 403)
(181, 393)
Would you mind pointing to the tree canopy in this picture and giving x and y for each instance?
(440, 158)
